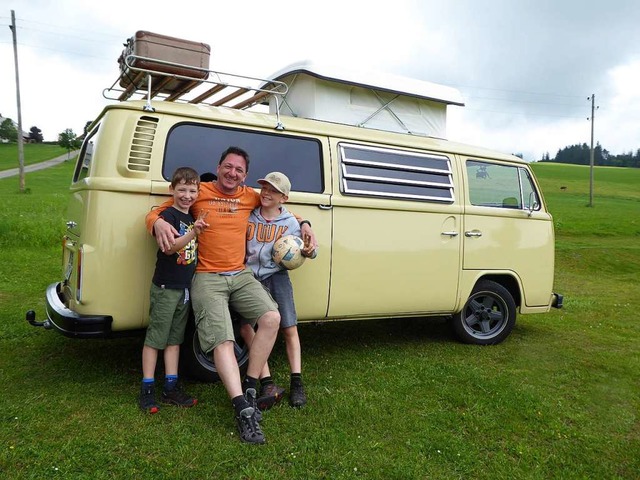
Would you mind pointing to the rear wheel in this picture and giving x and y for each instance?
(196, 365)
(488, 316)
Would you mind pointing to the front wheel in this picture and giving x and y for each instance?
(196, 365)
(488, 316)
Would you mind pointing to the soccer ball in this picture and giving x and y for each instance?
(287, 252)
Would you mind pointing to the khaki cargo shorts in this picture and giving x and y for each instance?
(168, 314)
(213, 294)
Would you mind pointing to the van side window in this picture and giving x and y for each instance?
(86, 155)
(502, 186)
(381, 172)
(200, 147)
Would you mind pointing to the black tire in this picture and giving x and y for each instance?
(194, 364)
(487, 317)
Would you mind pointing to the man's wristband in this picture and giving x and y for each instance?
(305, 221)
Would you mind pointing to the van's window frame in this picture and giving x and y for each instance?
(298, 157)
(372, 171)
(86, 156)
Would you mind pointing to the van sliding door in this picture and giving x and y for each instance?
(396, 250)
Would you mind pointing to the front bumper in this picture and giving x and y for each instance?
(70, 323)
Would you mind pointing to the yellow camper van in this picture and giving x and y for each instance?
(408, 223)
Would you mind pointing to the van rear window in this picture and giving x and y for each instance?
(200, 146)
(85, 157)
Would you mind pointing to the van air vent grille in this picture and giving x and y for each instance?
(142, 144)
(381, 172)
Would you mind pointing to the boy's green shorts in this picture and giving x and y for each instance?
(168, 316)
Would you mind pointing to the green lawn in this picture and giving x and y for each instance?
(388, 399)
(33, 153)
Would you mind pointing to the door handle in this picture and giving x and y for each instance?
(451, 234)
(325, 207)
(473, 233)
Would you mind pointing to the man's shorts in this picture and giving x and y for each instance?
(212, 294)
(168, 316)
(279, 285)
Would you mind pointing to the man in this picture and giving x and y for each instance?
(222, 280)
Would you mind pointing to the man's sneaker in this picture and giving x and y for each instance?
(297, 397)
(251, 395)
(248, 426)
(147, 399)
(177, 397)
(270, 395)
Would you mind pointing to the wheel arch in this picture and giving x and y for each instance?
(509, 282)
(507, 279)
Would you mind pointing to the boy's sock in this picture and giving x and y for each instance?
(264, 381)
(239, 403)
(148, 382)
(170, 382)
(296, 379)
(249, 382)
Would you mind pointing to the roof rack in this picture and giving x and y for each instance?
(209, 87)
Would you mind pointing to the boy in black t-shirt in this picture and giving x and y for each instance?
(169, 308)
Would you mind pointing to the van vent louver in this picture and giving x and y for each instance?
(142, 144)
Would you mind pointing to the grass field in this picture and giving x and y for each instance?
(388, 399)
(33, 153)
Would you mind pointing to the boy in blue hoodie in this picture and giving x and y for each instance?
(267, 223)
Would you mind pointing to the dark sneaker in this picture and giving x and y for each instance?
(177, 397)
(147, 399)
(248, 426)
(251, 395)
(267, 393)
(297, 397)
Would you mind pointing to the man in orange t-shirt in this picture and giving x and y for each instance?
(222, 280)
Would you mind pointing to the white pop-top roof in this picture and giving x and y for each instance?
(364, 99)
(375, 80)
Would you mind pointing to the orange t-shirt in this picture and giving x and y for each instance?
(221, 246)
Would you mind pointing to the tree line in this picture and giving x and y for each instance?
(66, 139)
(580, 155)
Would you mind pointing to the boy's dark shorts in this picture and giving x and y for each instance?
(279, 285)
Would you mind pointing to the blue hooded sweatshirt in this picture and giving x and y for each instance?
(262, 234)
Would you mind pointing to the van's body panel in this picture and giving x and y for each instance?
(381, 254)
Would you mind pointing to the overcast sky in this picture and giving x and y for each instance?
(524, 67)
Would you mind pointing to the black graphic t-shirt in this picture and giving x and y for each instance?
(176, 270)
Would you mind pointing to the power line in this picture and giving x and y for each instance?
(512, 100)
(519, 91)
(65, 29)
(528, 114)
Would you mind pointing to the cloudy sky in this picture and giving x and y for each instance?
(524, 67)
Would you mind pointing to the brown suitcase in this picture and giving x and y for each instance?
(168, 49)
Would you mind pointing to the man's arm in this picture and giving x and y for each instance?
(306, 232)
(164, 232)
(308, 235)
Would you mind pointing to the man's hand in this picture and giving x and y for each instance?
(308, 237)
(308, 249)
(165, 234)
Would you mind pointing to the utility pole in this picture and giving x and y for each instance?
(20, 143)
(591, 153)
